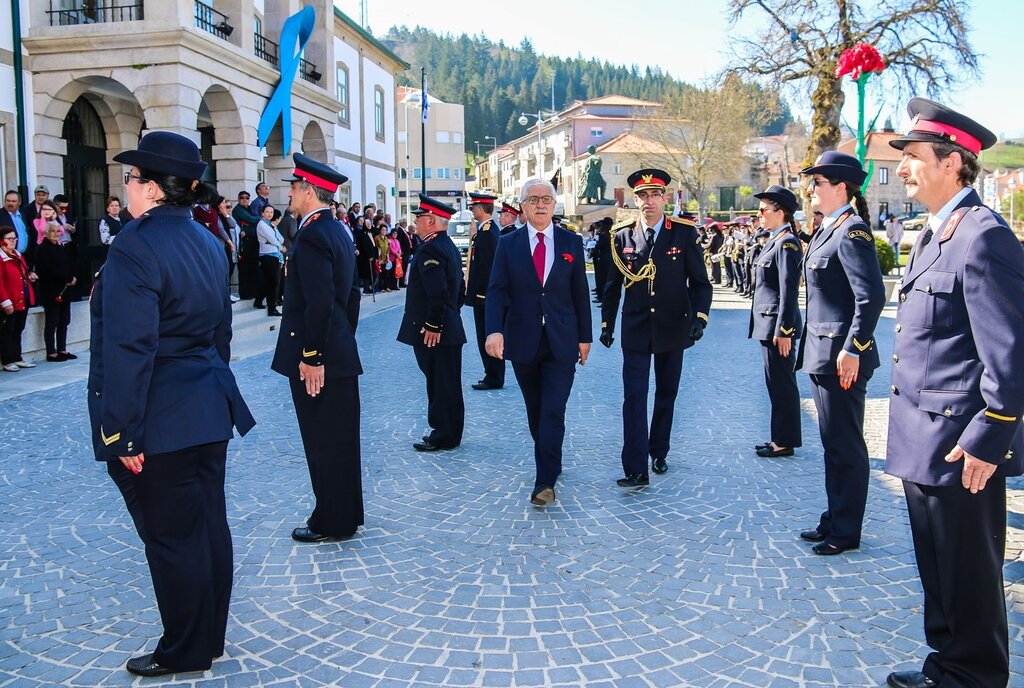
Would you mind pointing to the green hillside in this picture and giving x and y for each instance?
(495, 82)
(1005, 155)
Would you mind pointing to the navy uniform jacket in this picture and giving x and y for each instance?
(434, 293)
(657, 318)
(321, 304)
(958, 358)
(845, 296)
(160, 341)
(775, 311)
(482, 248)
(518, 305)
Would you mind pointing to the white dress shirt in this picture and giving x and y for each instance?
(549, 247)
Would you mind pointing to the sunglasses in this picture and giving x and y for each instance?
(128, 176)
(818, 182)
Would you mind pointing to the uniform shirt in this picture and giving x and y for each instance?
(657, 228)
(21, 230)
(939, 218)
(549, 248)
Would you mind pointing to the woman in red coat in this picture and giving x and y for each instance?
(15, 297)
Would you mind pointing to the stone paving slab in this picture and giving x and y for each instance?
(456, 580)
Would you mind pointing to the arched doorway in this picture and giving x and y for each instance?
(86, 184)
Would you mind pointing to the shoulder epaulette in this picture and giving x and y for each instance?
(679, 221)
(951, 223)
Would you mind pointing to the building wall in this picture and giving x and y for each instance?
(447, 119)
(8, 115)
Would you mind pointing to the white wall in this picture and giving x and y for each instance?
(385, 178)
(7, 101)
(346, 139)
(373, 76)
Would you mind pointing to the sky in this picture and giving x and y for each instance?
(689, 40)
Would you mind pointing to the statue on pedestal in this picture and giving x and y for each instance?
(593, 184)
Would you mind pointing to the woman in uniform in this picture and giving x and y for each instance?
(845, 296)
(775, 317)
(163, 402)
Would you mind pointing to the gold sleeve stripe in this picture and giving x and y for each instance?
(861, 347)
(107, 441)
(786, 332)
(703, 316)
(1008, 419)
(309, 353)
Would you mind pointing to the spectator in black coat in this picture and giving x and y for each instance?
(56, 269)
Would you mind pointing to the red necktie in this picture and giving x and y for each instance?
(540, 255)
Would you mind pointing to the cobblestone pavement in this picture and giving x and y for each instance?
(699, 580)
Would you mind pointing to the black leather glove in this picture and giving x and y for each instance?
(697, 329)
(606, 338)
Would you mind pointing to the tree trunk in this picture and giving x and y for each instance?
(827, 102)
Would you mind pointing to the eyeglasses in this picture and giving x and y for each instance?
(818, 182)
(128, 176)
(535, 200)
(644, 195)
(766, 209)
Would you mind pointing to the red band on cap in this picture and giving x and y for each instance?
(954, 135)
(645, 182)
(313, 179)
(434, 210)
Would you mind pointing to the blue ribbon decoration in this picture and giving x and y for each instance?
(297, 30)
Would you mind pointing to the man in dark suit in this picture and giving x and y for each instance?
(482, 246)
(432, 325)
(248, 248)
(668, 297)
(316, 351)
(957, 398)
(14, 215)
(538, 317)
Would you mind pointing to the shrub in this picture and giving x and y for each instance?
(886, 256)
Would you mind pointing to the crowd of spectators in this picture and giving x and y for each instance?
(40, 266)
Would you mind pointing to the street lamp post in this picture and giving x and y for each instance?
(491, 138)
(542, 118)
(477, 149)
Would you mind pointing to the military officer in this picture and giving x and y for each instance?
(775, 317)
(162, 400)
(432, 325)
(508, 218)
(602, 256)
(668, 296)
(845, 297)
(482, 246)
(316, 351)
(957, 399)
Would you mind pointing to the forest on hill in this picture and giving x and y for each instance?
(495, 82)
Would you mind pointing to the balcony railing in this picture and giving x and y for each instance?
(212, 21)
(93, 13)
(265, 48)
(308, 72)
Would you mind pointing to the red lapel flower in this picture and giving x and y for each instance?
(567, 257)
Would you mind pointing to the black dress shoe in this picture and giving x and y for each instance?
(909, 679)
(635, 480)
(68, 356)
(147, 666)
(762, 446)
(769, 453)
(257, 304)
(274, 313)
(542, 495)
(428, 446)
(828, 550)
(484, 386)
(812, 535)
(659, 466)
(307, 534)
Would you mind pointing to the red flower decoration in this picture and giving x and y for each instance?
(860, 59)
(567, 257)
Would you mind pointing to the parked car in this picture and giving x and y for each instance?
(913, 222)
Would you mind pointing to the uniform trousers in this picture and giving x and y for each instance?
(780, 379)
(641, 441)
(56, 318)
(546, 384)
(446, 410)
(494, 368)
(841, 426)
(329, 425)
(177, 504)
(960, 543)
(249, 265)
(270, 281)
(727, 269)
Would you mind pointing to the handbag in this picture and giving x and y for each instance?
(399, 271)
